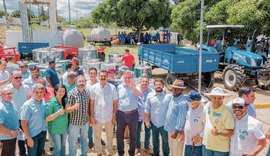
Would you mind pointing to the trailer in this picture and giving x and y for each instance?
(181, 61)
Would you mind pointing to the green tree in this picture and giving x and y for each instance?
(138, 15)
(2, 13)
(16, 14)
(43, 15)
(253, 14)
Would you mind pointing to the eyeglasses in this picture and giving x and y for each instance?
(10, 93)
(18, 77)
(22, 66)
(237, 107)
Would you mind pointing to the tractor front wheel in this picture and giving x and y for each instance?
(169, 80)
(233, 77)
(263, 77)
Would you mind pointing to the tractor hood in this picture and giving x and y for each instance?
(246, 59)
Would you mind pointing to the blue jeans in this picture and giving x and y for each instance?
(155, 137)
(207, 152)
(90, 133)
(146, 137)
(268, 153)
(39, 143)
(59, 148)
(124, 120)
(197, 151)
(74, 132)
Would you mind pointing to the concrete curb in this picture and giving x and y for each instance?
(262, 105)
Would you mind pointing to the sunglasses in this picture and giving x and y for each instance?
(237, 107)
(18, 77)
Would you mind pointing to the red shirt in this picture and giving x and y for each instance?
(129, 60)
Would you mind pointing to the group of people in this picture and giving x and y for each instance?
(77, 110)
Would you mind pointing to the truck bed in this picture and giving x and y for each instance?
(179, 60)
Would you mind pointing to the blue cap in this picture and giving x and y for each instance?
(194, 95)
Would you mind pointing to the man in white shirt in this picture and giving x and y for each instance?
(195, 121)
(248, 138)
(103, 107)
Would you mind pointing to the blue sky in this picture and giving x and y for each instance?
(79, 8)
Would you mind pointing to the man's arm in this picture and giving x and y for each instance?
(6, 131)
(259, 147)
(92, 118)
(115, 107)
(5, 81)
(30, 141)
(49, 81)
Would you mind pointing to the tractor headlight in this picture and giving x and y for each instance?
(253, 62)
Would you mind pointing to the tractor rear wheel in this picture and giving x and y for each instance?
(263, 78)
(169, 80)
(233, 77)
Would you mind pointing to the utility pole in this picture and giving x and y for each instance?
(200, 55)
(6, 14)
(69, 18)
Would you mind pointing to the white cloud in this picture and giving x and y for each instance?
(78, 8)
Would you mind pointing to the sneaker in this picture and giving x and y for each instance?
(90, 144)
(103, 142)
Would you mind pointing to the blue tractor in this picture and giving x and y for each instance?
(236, 63)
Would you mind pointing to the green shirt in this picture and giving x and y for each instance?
(60, 124)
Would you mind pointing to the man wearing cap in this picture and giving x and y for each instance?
(219, 125)
(249, 95)
(127, 114)
(195, 121)
(69, 68)
(128, 59)
(103, 109)
(248, 138)
(155, 110)
(176, 118)
(75, 64)
(111, 77)
(145, 90)
(51, 74)
(71, 84)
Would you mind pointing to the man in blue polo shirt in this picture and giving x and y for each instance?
(33, 121)
(155, 110)
(51, 74)
(176, 118)
(9, 123)
(127, 114)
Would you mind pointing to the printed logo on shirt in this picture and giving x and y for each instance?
(242, 134)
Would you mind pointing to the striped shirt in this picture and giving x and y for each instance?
(79, 116)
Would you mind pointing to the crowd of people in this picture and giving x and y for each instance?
(77, 110)
(147, 37)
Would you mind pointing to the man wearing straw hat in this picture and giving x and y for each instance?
(219, 125)
(176, 118)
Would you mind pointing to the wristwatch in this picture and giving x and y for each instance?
(114, 114)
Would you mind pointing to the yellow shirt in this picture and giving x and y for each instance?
(222, 119)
